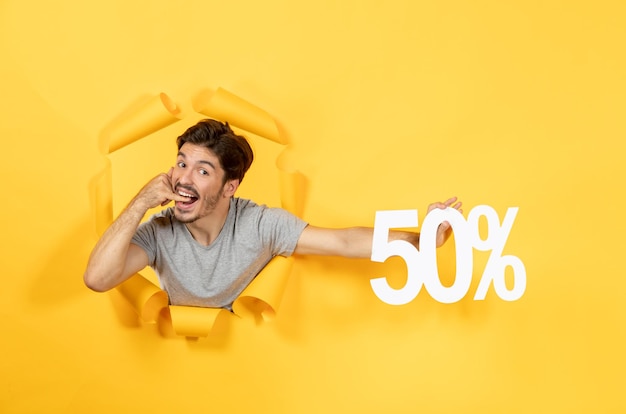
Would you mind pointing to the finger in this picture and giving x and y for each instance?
(167, 177)
(433, 206)
(449, 201)
(172, 196)
(177, 197)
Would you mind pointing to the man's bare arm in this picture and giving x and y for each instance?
(356, 242)
(114, 259)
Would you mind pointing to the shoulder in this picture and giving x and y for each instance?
(244, 208)
(269, 221)
(248, 209)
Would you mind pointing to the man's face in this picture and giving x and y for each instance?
(198, 175)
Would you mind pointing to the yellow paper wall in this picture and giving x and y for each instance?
(386, 105)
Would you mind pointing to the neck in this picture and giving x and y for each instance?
(206, 229)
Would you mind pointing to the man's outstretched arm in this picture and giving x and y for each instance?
(114, 258)
(356, 242)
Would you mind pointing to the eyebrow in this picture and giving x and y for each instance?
(209, 163)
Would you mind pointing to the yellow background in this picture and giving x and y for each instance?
(387, 105)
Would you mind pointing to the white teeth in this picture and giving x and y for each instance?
(182, 193)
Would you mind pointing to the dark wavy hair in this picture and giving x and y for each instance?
(232, 150)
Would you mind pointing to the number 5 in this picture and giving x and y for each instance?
(382, 249)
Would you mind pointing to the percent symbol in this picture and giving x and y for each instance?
(495, 270)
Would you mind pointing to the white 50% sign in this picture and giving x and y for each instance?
(422, 264)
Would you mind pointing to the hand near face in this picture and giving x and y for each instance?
(445, 229)
(159, 191)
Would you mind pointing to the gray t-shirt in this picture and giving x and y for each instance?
(215, 275)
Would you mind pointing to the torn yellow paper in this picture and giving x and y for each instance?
(192, 321)
(292, 185)
(262, 297)
(156, 113)
(103, 199)
(292, 191)
(228, 107)
(144, 296)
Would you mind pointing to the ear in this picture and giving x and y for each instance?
(230, 187)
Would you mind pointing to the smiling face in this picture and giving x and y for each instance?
(199, 176)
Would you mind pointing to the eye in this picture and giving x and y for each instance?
(204, 172)
(181, 164)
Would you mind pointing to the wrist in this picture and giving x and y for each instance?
(138, 207)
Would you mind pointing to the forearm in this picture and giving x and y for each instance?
(358, 241)
(108, 260)
(352, 242)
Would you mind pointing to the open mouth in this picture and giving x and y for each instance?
(191, 199)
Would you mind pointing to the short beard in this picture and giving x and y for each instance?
(208, 208)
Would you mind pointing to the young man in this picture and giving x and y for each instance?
(210, 245)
